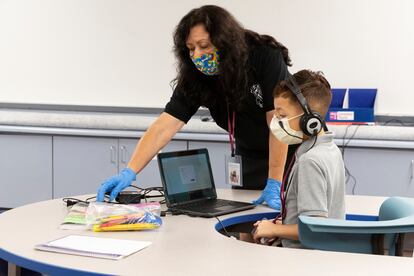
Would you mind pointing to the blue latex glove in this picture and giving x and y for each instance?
(270, 194)
(115, 184)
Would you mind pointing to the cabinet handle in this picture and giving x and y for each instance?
(123, 154)
(412, 169)
(113, 154)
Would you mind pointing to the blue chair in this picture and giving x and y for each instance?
(395, 219)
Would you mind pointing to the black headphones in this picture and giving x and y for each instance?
(311, 123)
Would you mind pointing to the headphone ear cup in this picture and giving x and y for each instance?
(302, 123)
(311, 124)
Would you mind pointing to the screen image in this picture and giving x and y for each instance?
(186, 173)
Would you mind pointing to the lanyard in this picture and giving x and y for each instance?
(231, 126)
(285, 188)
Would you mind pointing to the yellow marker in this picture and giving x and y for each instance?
(117, 217)
(125, 227)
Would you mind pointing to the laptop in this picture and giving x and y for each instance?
(188, 184)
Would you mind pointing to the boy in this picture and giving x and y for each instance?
(316, 182)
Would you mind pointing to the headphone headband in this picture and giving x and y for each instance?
(294, 87)
(311, 122)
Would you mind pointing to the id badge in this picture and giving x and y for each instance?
(234, 175)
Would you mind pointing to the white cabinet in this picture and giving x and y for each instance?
(81, 164)
(217, 152)
(150, 175)
(380, 171)
(25, 169)
(41, 167)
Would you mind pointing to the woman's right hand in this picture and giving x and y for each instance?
(154, 139)
(115, 184)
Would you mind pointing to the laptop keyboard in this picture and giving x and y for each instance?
(209, 205)
(213, 207)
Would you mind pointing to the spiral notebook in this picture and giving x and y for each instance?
(89, 246)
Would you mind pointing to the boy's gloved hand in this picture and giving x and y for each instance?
(270, 194)
(115, 184)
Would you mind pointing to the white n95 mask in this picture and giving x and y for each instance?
(284, 133)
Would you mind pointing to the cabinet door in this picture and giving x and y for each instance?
(380, 172)
(217, 152)
(81, 164)
(150, 175)
(25, 169)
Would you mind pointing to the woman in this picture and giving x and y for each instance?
(231, 71)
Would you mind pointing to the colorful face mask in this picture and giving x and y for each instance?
(207, 63)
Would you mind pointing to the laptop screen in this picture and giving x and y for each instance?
(186, 175)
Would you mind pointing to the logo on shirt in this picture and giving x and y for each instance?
(256, 90)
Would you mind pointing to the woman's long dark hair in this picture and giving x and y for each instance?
(232, 41)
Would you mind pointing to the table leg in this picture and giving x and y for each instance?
(13, 270)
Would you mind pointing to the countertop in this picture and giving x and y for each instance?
(133, 125)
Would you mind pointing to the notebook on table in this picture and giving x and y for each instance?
(97, 247)
(189, 187)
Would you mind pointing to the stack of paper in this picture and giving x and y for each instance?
(94, 247)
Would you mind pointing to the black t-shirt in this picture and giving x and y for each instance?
(266, 69)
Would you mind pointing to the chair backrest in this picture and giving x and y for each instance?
(391, 209)
(396, 207)
(396, 217)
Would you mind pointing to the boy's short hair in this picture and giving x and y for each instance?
(315, 88)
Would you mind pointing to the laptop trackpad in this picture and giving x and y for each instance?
(223, 208)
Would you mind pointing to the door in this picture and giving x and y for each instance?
(25, 169)
(217, 152)
(150, 175)
(380, 172)
(81, 164)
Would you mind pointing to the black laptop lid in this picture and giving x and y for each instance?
(186, 176)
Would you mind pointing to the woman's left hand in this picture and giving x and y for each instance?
(270, 194)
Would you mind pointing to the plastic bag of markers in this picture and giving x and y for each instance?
(102, 216)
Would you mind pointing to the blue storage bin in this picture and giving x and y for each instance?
(361, 106)
(338, 95)
(361, 97)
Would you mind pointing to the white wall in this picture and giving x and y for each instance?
(119, 52)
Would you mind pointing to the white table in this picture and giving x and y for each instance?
(185, 246)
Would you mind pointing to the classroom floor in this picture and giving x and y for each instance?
(24, 272)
